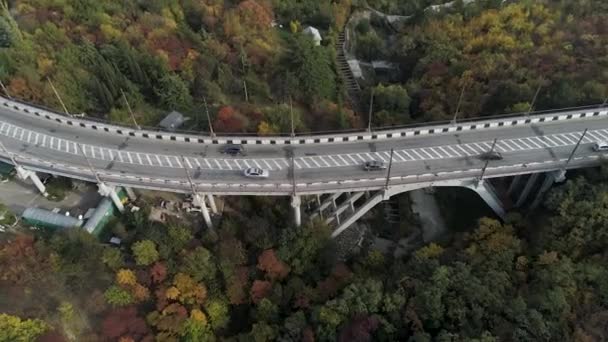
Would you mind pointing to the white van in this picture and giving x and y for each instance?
(600, 146)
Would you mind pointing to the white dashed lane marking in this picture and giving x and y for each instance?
(311, 162)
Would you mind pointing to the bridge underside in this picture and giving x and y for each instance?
(343, 209)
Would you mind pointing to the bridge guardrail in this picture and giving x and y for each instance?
(419, 129)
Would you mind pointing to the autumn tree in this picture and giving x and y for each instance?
(125, 277)
(117, 296)
(259, 290)
(13, 328)
(124, 321)
(275, 268)
(158, 272)
(145, 252)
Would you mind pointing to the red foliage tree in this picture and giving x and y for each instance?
(338, 278)
(124, 322)
(158, 272)
(229, 120)
(308, 335)
(254, 14)
(275, 268)
(52, 336)
(359, 329)
(260, 290)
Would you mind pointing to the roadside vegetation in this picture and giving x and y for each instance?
(259, 279)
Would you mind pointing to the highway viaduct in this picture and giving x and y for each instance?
(35, 139)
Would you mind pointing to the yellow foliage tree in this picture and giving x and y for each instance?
(126, 277)
(199, 316)
(190, 292)
(172, 293)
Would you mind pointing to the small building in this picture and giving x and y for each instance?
(43, 218)
(105, 211)
(100, 217)
(314, 34)
(173, 121)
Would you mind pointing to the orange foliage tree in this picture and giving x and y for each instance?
(260, 290)
(273, 266)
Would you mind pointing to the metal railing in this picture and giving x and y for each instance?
(377, 129)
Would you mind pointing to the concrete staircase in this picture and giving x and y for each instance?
(352, 87)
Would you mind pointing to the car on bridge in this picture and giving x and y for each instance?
(600, 146)
(233, 149)
(254, 172)
(374, 165)
(490, 155)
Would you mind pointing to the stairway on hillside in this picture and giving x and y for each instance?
(352, 87)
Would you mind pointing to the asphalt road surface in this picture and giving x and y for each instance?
(33, 139)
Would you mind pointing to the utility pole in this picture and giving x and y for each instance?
(59, 97)
(293, 132)
(89, 163)
(296, 201)
(534, 99)
(485, 166)
(5, 90)
(211, 133)
(196, 199)
(575, 148)
(244, 81)
(464, 86)
(388, 173)
(293, 173)
(370, 114)
(129, 109)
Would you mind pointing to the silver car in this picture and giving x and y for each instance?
(374, 165)
(254, 172)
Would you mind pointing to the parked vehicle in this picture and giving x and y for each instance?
(374, 165)
(600, 146)
(233, 149)
(491, 155)
(254, 172)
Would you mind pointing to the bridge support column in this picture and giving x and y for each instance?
(211, 200)
(24, 174)
(550, 179)
(130, 193)
(486, 191)
(110, 191)
(514, 183)
(297, 215)
(199, 201)
(524, 194)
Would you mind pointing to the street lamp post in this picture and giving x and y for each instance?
(459, 102)
(129, 109)
(575, 148)
(485, 166)
(65, 109)
(5, 90)
(388, 173)
(371, 113)
(208, 118)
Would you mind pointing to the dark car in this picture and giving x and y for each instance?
(492, 155)
(233, 149)
(374, 165)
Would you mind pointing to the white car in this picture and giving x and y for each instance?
(254, 172)
(600, 146)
